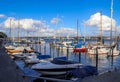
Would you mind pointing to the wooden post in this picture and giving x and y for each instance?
(117, 43)
(97, 58)
(50, 48)
(58, 51)
(79, 57)
(53, 51)
(45, 49)
(62, 48)
(40, 49)
(112, 57)
(67, 51)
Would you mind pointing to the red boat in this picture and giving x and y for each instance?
(79, 50)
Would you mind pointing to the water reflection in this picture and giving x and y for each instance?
(104, 63)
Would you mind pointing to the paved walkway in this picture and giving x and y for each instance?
(9, 72)
(113, 76)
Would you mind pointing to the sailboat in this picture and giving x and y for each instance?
(113, 45)
(79, 47)
(102, 50)
(17, 48)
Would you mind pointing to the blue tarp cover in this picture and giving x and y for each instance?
(83, 72)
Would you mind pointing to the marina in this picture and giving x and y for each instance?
(48, 52)
(59, 41)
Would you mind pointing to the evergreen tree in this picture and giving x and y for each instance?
(3, 35)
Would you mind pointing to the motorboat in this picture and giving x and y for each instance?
(55, 67)
(66, 45)
(32, 59)
(20, 49)
(24, 55)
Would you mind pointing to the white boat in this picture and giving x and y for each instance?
(55, 68)
(24, 55)
(41, 41)
(115, 52)
(10, 47)
(66, 45)
(32, 59)
(101, 51)
(19, 50)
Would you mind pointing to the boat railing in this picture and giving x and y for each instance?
(45, 79)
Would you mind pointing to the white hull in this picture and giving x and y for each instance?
(52, 73)
(48, 68)
(100, 51)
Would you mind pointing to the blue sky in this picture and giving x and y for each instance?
(68, 11)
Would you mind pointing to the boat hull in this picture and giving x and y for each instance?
(80, 50)
(48, 68)
(54, 72)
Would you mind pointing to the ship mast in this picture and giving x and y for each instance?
(77, 32)
(111, 13)
(101, 27)
(18, 31)
(10, 30)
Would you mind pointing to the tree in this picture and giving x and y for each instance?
(3, 35)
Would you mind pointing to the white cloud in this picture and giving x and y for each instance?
(2, 16)
(66, 32)
(35, 28)
(55, 20)
(94, 21)
(26, 24)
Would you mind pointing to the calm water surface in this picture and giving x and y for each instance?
(104, 63)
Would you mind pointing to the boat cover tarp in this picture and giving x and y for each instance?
(62, 61)
(61, 58)
(43, 56)
(79, 45)
(83, 72)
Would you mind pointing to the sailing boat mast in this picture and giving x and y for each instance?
(111, 13)
(77, 32)
(10, 30)
(101, 27)
(18, 31)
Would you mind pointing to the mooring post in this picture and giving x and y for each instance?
(67, 51)
(58, 51)
(50, 48)
(97, 58)
(62, 48)
(112, 57)
(117, 43)
(79, 57)
(75, 50)
(40, 48)
(53, 51)
(45, 48)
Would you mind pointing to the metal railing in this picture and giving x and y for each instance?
(45, 79)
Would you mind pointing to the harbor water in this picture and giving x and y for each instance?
(104, 63)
